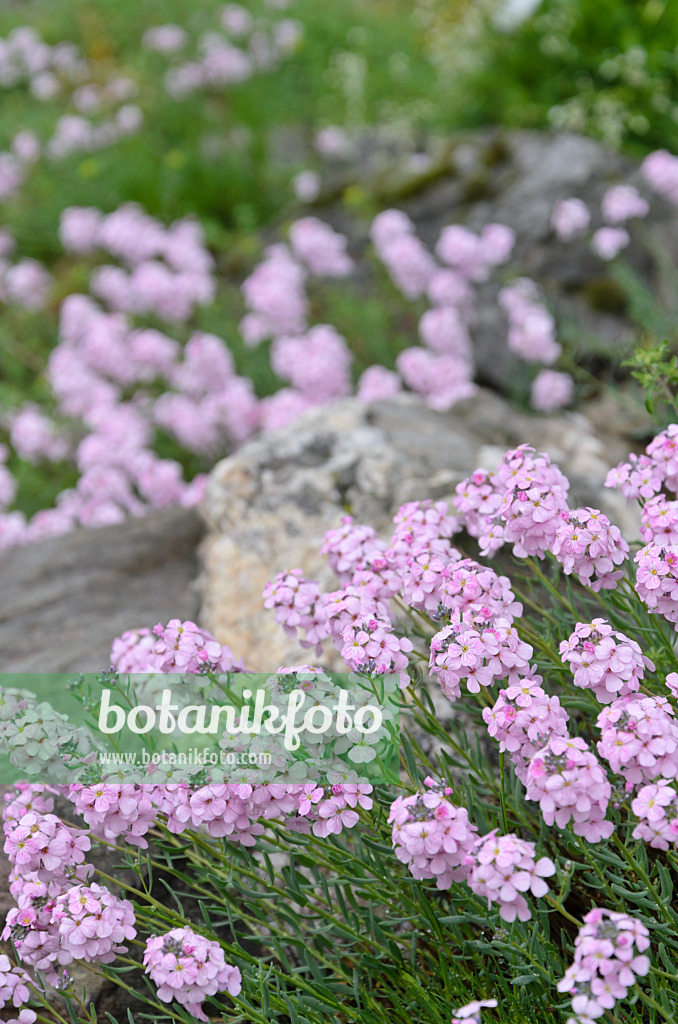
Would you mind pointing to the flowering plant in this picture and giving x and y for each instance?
(519, 867)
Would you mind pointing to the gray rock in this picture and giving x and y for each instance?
(268, 506)
(64, 600)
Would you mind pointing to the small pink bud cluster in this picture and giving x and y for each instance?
(92, 924)
(656, 807)
(478, 657)
(502, 868)
(607, 960)
(189, 968)
(657, 580)
(588, 546)
(185, 647)
(604, 660)
(432, 836)
(571, 786)
(639, 739)
(522, 720)
(532, 329)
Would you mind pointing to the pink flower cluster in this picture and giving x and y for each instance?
(189, 968)
(432, 836)
(502, 868)
(473, 256)
(609, 242)
(522, 720)
(656, 807)
(570, 218)
(40, 843)
(639, 739)
(14, 982)
(532, 329)
(442, 370)
(520, 504)
(114, 810)
(185, 647)
(317, 364)
(643, 476)
(551, 390)
(92, 924)
(74, 133)
(607, 960)
(660, 170)
(604, 660)
(442, 380)
(435, 839)
(320, 248)
(407, 260)
(621, 203)
(570, 785)
(169, 269)
(26, 282)
(588, 545)
(26, 57)
(220, 63)
(479, 657)
(657, 580)
(659, 521)
(534, 498)
(275, 295)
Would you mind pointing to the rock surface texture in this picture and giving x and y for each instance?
(64, 600)
(268, 506)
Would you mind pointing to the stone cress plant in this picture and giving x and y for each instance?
(534, 829)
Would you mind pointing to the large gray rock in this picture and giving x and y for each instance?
(268, 506)
(63, 600)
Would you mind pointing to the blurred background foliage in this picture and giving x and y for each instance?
(405, 70)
